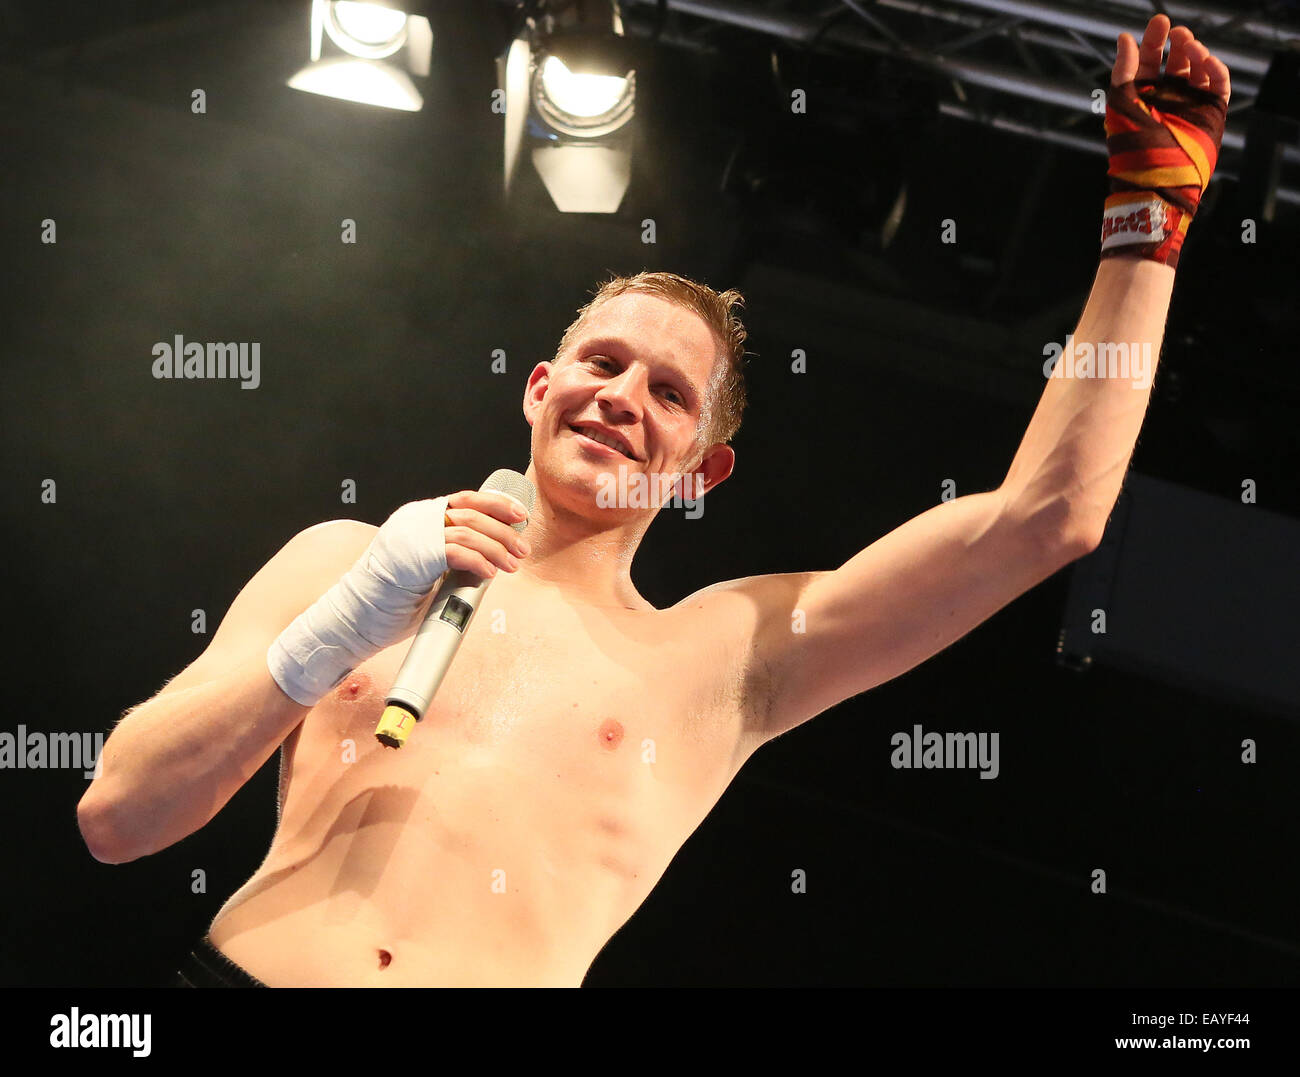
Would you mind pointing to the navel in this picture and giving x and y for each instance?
(354, 687)
(610, 734)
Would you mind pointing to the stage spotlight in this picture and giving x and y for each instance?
(365, 30)
(367, 35)
(570, 93)
(584, 106)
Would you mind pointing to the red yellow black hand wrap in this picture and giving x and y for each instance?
(1163, 137)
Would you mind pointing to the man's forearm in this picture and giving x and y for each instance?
(1163, 133)
(1071, 463)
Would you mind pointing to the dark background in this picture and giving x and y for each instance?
(924, 365)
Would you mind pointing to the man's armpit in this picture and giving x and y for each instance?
(757, 696)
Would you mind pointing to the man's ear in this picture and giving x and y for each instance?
(714, 467)
(535, 390)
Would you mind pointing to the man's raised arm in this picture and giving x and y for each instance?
(818, 638)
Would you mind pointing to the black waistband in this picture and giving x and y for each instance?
(206, 966)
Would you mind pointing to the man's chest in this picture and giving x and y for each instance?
(624, 708)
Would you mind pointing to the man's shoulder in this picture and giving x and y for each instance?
(773, 589)
(315, 557)
(326, 543)
(336, 534)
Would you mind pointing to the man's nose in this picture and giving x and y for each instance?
(624, 392)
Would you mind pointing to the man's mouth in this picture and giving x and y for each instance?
(599, 437)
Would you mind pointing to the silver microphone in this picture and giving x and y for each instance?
(439, 636)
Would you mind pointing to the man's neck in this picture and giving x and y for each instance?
(590, 565)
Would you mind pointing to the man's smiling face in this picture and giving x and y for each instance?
(642, 372)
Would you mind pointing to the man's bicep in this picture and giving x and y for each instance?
(901, 600)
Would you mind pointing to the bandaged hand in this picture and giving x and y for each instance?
(1163, 133)
(378, 601)
(374, 604)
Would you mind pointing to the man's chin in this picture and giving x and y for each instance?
(595, 494)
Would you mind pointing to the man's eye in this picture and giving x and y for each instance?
(600, 361)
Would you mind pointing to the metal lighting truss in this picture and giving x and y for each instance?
(1064, 52)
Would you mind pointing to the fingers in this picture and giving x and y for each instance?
(479, 540)
(492, 504)
(1188, 58)
(463, 556)
(473, 551)
(1208, 72)
(495, 530)
(1126, 61)
(1220, 83)
(1153, 46)
(1182, 47)
(1199, 75)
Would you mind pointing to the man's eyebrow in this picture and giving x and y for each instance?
(621, 347)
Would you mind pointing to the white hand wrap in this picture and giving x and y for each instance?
(370, 608)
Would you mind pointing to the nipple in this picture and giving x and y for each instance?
(610, 734)
(354, 687)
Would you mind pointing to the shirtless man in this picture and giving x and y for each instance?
(581, 735)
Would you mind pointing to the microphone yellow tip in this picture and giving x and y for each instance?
(395, 725)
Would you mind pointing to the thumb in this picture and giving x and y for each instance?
(1126, 60)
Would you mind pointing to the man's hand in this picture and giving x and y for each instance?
(1163, 134)
(809, 640)
(1188, 58)
(380, 599)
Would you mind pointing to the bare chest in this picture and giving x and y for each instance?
(567, 756)
(586, 715)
